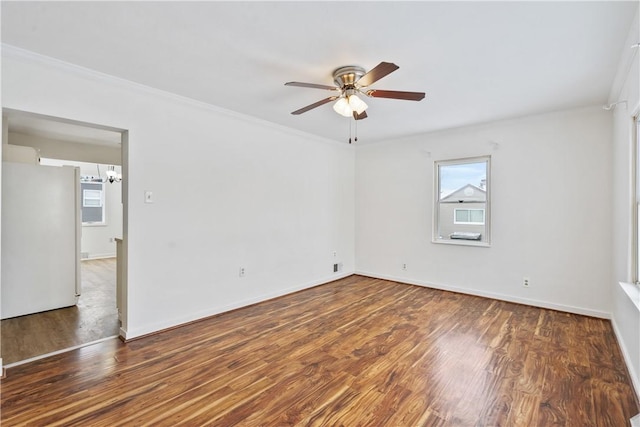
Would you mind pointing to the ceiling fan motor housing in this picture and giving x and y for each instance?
(346, 77)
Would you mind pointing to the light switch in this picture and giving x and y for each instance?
(148, 196)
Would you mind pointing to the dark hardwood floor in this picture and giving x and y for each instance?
(355, 352)
(93, 318)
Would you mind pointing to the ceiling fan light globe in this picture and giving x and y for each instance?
(357, 104)
(342, 107)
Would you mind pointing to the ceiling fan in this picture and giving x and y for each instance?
(352, 80)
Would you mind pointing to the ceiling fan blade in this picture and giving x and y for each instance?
(314, 105)
(396, 94)
(360, 116)
(312, 85)
(378, 72)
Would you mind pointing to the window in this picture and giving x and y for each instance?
(461, 208)
(468, 216)
(92, 203)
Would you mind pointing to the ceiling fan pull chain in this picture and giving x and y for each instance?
(356, 133)
(349, 131)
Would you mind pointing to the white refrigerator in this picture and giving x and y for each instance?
(41, 231)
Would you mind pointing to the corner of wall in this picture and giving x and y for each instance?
(635, 379)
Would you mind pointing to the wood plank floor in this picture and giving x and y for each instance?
(93, 318)
(355, 352)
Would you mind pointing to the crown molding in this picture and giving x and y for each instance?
(627, 57)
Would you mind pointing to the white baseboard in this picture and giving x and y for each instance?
(635, 380)
(130, 334)
(492, 295)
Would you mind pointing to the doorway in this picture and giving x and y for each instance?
(99, 312)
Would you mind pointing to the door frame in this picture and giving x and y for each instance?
(122, 261)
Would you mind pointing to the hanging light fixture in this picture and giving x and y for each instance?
(112, 175)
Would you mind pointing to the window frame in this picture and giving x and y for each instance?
(436, 203)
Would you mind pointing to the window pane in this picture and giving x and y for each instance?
(462, 181)
(92, 198)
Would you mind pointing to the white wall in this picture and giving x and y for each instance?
(625, 314)
(551, 220)
(229, 191)
(98, 240)
(67, 150)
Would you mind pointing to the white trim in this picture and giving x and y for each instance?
(462, 242)
(23, 54)
(171, 323)
(635, 198)
(53, 353)
(635, 380)
(492, 295)
(633, 292)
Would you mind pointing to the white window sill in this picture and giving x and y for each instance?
(633, 292)
(461, 242)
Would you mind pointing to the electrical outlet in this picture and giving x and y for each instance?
(335, 254)
(241, 272)
(525, 282)
(404, 267)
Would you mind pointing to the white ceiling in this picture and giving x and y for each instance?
(477, 61)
